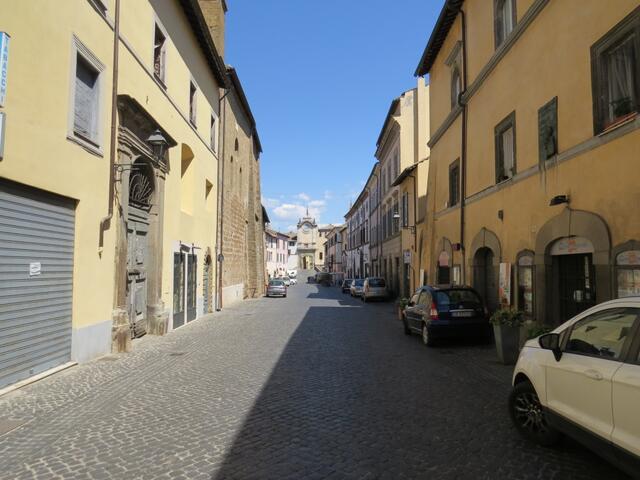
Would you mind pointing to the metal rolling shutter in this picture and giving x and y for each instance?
(35, 309)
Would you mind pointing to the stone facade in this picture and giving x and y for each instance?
(242, 225)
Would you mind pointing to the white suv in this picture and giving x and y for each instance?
(583, 379)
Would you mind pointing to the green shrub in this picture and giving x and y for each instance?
(509, 317)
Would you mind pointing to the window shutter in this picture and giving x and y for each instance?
(507, 149)
(84, 121)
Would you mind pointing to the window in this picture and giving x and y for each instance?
(192, 103)
(454, 183)
(320, 253)
(602, 334)
(236, 146)
(505, 144)
(405, 209)
(159, 54)
(628, 273)
(505, 19)
(525, 283)
(86, 100)
(615, 73)
(456, 86)
(396, 221)
(214, 132)
(548, 130)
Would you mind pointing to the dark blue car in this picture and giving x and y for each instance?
(446, 312)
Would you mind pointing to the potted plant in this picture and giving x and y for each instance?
(507, 328)
(402, 304)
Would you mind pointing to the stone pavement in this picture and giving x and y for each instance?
(315, 385)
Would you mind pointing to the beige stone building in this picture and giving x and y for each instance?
(310, 240)
(242, 225)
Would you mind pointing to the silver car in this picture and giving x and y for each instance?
(356, 287)
(374, 287)
(276, 288)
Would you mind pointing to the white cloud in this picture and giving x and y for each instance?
(303, 196)
(328, 194)
(270, 202)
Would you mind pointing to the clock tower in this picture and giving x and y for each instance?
(307, 242)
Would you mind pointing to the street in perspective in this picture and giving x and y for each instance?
(317, 385)
(319, 240)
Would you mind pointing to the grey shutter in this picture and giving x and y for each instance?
(85, 100)
(36, 228)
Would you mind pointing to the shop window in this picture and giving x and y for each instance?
(525, 283)
(628, 273)
(444, 270)
(505, 145)
(615, 74)
(504, 19)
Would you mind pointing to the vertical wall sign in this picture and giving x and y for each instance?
(4, 63)
(2, 122)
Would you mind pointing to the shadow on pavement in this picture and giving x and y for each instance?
(359, 399)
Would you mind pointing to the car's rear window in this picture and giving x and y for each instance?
(358, 282)
(276, 283)
(376, 282)
(458, 297)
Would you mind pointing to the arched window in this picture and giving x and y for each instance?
(525, 282)
(628, 273)
(444, 268)
(456, 86)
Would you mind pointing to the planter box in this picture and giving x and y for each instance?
(509, 341)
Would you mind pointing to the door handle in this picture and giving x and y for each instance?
(594, 374)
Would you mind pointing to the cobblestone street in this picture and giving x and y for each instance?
(315, 385)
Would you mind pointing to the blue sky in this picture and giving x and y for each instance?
(320, 75)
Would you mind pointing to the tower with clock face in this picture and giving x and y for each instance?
(307, 243)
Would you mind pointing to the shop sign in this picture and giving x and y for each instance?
(4, 63)
(572, 245)
(630, 257)
(407, 256)
(505, 284)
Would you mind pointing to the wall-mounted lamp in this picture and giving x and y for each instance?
(158, 144)
(558, 199)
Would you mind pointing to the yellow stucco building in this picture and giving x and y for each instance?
(534, 146)
(109, 197)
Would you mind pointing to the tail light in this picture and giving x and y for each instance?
(434, 311)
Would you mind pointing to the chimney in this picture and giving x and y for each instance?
(213, 11)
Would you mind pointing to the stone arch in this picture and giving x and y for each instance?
(142, 184)
(443, 261)
(485, 255)
(570, 223)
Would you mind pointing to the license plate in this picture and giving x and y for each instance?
(462, 314)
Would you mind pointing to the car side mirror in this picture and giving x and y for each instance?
(551, 341)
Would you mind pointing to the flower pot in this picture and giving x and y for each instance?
(508, 343)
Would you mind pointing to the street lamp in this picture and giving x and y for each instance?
(158, 145)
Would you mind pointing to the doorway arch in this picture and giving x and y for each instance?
(485, 262)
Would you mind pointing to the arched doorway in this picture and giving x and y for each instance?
(484, 276)
(141, 190)
(572, 265)
(573, 276)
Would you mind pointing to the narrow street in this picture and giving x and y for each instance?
(315, 385)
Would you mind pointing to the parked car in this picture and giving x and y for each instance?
(276, 288)
(346, 285)
(286, 280)
(323, 278)
(446, 312)
(292, 273)
(356, 287)
(374, 287)
(583, 380)
(293, 280)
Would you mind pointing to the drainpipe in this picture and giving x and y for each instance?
(222, 108)
(463, 155)
(415, 226)
(105, 223)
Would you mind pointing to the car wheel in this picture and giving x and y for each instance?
(407, 330)
(529, 417)
(427, 338)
